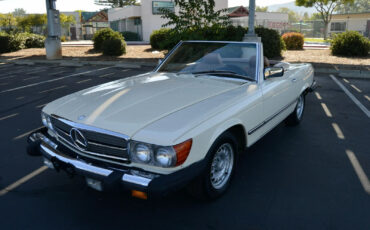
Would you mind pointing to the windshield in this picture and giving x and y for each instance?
(216, 58)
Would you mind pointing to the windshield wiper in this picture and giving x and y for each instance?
(224, 73)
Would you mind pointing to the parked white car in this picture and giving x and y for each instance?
(185, 123)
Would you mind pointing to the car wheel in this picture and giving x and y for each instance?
(215, 179)
(297, 115)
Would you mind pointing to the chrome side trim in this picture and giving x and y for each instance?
(270, 118)
(76, 163)
(136, 180)
(90, 128)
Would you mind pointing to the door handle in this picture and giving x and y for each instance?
(294, 80)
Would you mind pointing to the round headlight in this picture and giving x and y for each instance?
(143, 152)
(165, 157)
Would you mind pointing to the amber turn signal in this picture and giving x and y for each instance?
(139, 194)
(182, 151)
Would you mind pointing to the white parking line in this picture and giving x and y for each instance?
(318, 96)
(30, 78)
(36, 71)
(22, 180)
(367, 97)
(357, 89)
(326, 110)
(338, 131)
(40, 106)
(359, 171)
(79, 82)
(345, 80)
(11, 76)
(25, 134)
(350, 95)
(19, 98)
(49, 90)
(106, 75)
(57, 73)
(52, 80)
(9, 116)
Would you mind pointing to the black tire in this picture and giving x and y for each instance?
(202, 187)
(297, 115)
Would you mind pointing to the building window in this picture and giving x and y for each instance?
(338, 26)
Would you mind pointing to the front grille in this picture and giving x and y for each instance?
(100, 143)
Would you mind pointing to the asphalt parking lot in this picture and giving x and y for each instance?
(314, 176)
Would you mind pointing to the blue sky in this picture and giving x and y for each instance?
(38, 6)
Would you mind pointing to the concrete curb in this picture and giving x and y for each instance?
(360, 74)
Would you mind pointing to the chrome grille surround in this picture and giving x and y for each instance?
(102, 143)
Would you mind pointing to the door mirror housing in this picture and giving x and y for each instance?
(271, 72)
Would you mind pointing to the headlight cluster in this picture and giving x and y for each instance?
(163, 156)
(46, 121)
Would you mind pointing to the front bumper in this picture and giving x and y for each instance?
(42, 144)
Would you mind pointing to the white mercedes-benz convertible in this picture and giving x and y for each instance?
(184, 124)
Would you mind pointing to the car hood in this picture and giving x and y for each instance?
(128, 105)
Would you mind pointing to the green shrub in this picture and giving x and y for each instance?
(167, 38)
(17, 41)
(158, 37)
(35, 41)
(130, 36)
(271, 41)
(350, 43)
(63, 38)
(103, 35)
(114, 47)
(293, 40)
(4, 43)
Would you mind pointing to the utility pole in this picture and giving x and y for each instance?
(251, 35)
(52, 43)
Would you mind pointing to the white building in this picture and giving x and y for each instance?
(145, 18)
(358, 22)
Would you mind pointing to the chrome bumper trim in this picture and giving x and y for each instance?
(76, 163)
(136, 180)
(47, 149)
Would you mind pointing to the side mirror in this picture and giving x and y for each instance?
(274, 72)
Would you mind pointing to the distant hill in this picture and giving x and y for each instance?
(292, 6)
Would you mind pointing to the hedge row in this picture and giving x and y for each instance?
(350, 44)
(166, 38)
(293, 40)
(110, 42)
(14, 42)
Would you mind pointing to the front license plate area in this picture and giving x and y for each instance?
(95, 184)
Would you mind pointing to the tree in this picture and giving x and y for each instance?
(358, 6)
(194, 14)
(293, 16)
(261, 9)
(32, 20)
(19, 12)
(7, 20)
(116, 3)
(325, 9)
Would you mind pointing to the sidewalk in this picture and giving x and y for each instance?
(82, 43)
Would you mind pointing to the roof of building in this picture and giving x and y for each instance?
(238, 11)
(100, 16)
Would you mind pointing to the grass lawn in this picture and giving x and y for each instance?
(317, 40)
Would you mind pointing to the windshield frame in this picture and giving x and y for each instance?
(258, 55)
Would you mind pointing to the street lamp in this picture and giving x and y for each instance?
(53, 44)
(251, 36)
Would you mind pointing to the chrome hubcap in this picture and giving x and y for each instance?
(300, 105)
(222, 165)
